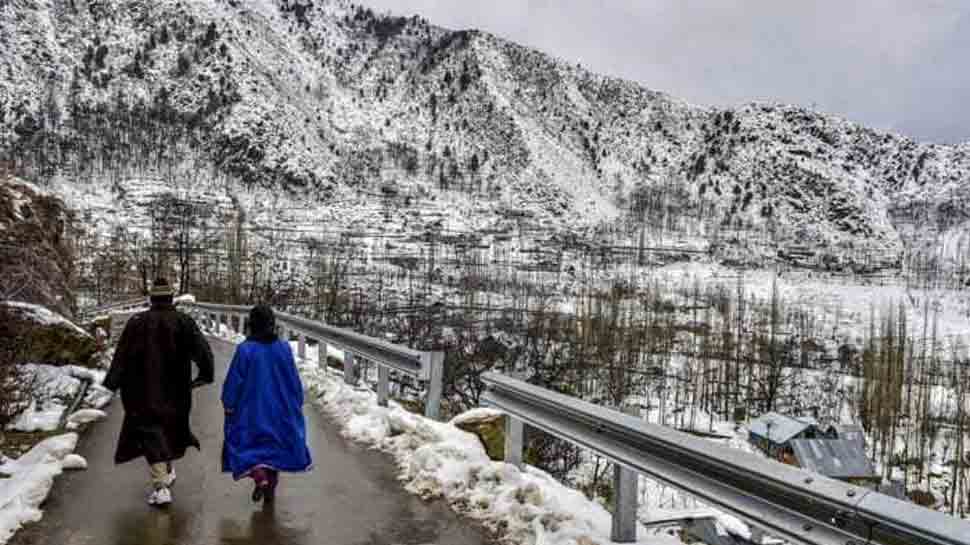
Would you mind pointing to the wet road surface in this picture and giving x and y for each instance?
(350, 498)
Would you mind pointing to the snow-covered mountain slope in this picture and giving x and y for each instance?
(324, 98)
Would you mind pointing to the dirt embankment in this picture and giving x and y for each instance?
(36, 255)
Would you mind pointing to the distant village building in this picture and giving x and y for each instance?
(842, 459)
(837, 452)
(772, 433)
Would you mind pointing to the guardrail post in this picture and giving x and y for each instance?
(349, 368)
(383, 386)
(514, 444)
(625, 488)
(436, 380)
(243, 322)
(322, 350)
(301, 345)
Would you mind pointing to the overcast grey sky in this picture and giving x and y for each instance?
(900, 65)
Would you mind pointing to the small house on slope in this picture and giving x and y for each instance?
(842, 459)
(772, 432)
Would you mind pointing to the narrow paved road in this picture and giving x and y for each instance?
(350, 498)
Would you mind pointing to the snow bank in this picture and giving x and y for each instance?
(475, 415)
(438, 460)
(54, 388)
(31, 479)
(74, 462)
(34, 419)
(86, 416)
(98, 396)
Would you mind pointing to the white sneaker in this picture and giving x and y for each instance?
(160, 497)
(170, 479)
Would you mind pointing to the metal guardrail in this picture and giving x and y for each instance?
(425, 366)
(781, 500)
(120, 305)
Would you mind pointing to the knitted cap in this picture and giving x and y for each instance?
(161, 288)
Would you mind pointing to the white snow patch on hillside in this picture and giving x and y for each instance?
(844, 306)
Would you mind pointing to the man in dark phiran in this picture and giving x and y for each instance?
(152, 368)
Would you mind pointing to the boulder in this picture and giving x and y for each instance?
(489, 426)
(39, 335)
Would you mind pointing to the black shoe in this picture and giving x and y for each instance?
(260, 491)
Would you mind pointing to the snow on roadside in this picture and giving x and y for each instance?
(31, 478)
(54, 387)
(437, 460)
(34, 418)
(84, 416)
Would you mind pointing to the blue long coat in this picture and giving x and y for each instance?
(263, 397)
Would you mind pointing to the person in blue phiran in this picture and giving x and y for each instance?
(263, 399)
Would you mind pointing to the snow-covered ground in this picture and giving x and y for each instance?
(26, 481)
(30, 480)
(54, 388)
(843, 306)
(437, 460)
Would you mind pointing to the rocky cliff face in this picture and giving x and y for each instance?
(323, 98)
(36, 258)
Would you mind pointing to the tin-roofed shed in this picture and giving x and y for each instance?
(773, 431)
(841, 459)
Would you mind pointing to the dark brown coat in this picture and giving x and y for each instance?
(152, 367)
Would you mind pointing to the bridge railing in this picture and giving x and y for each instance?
(89, 313)
(425, 366)
(780, 500)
